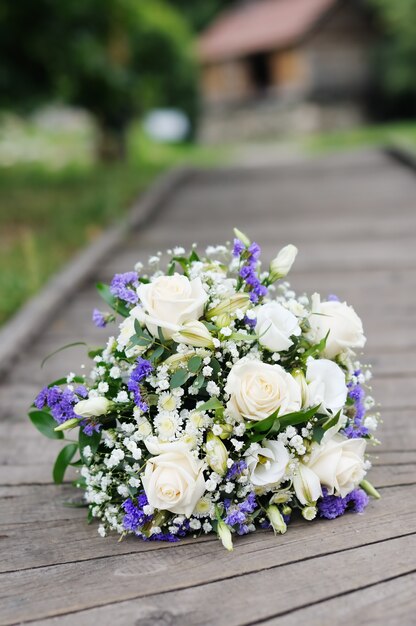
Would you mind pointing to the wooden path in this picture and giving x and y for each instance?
(353, 218)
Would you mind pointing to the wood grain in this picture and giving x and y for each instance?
(353, 218)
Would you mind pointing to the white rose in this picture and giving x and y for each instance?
(257, 390)
(93, 407)
(339, 463)
(267, 465)
(170, 301)
(306, 484)
(275, 326)
(344, 326)
(174, 480)
(326, 385)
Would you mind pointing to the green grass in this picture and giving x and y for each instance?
(397, 134)
(48, 213)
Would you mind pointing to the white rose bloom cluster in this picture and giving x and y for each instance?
(223, 402)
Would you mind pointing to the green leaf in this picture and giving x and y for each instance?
(213, 404)
(160, 335)
(209, 325)
(137, 328)
(68, 345)
(299, 417)
(193, 257)
(171, 268)
(199, 381)
(216, 367)
(183, 262)
(141, 341)
(63, 459)
(318, 433)
(107, 296)
(156, 353)
(178, 378)
(315, 349)
(84, 440)
(45, 424)
(62, 381)
(332, 421)
(194, 364)
(263, 425)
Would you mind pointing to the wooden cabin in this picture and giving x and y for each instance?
(273, 67)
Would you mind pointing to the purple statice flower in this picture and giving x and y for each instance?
(333, 298)
(238, 248)
(357, 394)
(41, 399)
(331, 507)
(60, 402)
(123, 286)
(237, 514)
(81, 391)
(183, 529)
(248, 272)
(135, 517)
(236, 470)
(141, 371)
(250, 322)
(357, 500)
(90, 426)
(99, 319)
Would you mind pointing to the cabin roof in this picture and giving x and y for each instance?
(252, 27)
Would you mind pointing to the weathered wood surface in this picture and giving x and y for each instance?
(353, 218)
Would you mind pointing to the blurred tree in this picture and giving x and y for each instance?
(199, 14)
(396, 56)
(115, 58)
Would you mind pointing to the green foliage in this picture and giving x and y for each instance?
(112, 57)
(45, 424)
(396, 56)
(199, 14)
(63, 459)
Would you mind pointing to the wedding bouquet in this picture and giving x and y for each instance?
(222, 402)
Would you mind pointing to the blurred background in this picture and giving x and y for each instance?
(97, 97)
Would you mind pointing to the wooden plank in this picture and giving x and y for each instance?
(22, 544)
(272, 586)
(388, 603)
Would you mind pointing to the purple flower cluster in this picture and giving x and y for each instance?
(90, 426)
(99, 319)
(250, 322)
(357, 394)
(123, 286)
(135, 517)
(248, 271)
(237, 514)
(60, 402)
(331, 507)
(333, 298)
(238, 248)
(182, 530)
(142, 369)
(236, 470)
